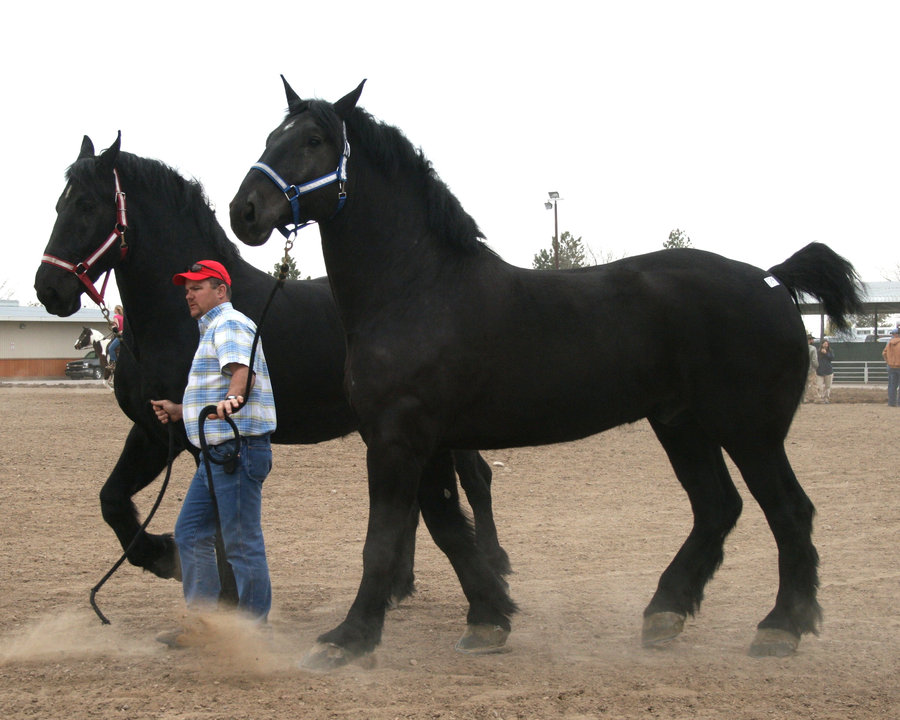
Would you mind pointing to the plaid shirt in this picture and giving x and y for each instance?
(226, 336)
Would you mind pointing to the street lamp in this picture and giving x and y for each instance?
(554, 198)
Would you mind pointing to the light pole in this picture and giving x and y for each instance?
(554, 196)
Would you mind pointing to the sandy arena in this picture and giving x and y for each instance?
(589, 526)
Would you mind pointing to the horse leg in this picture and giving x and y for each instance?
(490, 606)
(403, 583)
(141, 461)
(716, 505)
(394, 472)
(789, 513)
(475, 478)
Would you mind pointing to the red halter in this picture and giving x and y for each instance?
(81, 269)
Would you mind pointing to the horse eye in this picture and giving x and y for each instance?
(314, 142)
(84, 205)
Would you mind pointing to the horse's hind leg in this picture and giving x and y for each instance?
(716, 505)
(403, 582)
(789, 512)
(490, 607)
(475, 478)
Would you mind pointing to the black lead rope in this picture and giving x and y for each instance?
(204, 449)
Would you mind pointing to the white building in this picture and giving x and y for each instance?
(36, 344)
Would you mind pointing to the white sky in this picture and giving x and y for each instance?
(755, 127)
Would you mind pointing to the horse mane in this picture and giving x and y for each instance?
(154, 181)
(393, 153)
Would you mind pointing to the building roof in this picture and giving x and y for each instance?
(880, 298)
(11, 311)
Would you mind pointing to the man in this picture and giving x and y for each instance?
(809, 392)
(218, 376)
(891, 355)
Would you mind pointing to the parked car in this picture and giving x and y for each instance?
(86, 367)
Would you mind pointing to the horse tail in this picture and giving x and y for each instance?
(819, 271)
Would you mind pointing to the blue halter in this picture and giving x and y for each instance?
(293, 192)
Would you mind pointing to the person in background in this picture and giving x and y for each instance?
(891, 355)
(219, 377)
(824, 371)
(112, 352)
(809, 392)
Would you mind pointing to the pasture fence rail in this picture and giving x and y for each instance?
(860, 372)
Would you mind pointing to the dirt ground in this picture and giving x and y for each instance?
(588, 525)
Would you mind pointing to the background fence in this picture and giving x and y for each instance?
(860, 372)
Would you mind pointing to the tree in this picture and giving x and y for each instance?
(293, 272)
(677, 239)
(602, 257)
(571, 254)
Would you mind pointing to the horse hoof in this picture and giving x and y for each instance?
(325, 657)
(772, 642)
(659, 628)
(483, 640)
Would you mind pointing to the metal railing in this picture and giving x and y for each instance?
(860, 372)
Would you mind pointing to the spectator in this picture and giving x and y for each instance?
(824, 371)
(809, 393)
(891, 355)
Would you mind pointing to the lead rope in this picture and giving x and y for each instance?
(204, 449)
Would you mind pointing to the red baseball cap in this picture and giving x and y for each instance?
(201, 270)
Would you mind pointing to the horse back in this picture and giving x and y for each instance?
(548, 356)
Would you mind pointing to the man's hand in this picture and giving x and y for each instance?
(227, 406)
(166, 410)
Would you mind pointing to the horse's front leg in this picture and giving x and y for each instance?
(143, 458)
(394, 472)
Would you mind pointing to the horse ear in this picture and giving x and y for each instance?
(109, 156)
(293, 99)
(87, 148)
(345, 105)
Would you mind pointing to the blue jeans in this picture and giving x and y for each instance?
(239, 497)
(893, 386)
(112, 350)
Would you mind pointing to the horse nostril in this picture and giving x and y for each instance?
(243, 213)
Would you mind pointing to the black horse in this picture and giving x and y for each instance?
(449, 346)
(169, 226)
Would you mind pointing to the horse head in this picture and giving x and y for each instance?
(84, 340)
(85, 213)
(294, 181)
